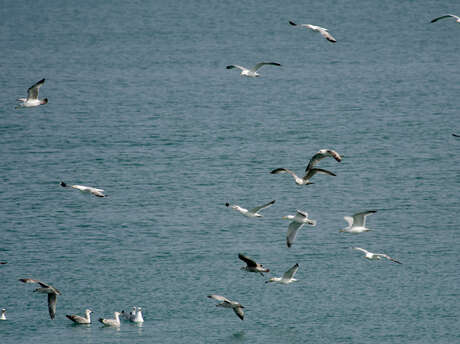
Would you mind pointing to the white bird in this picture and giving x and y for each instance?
(298, 220)
(138, 316)
(357, 223)
(94, 191)
(111, 322)
(287, 278)
(46, 289)
(79, 319)
(457, 18)
(251, 265)
(310, 170)
(252, 212)
(130, 315)
(375, 256)
(32, 96)
(319, 29)
(3, 316)
(252, 72)
(226, 303)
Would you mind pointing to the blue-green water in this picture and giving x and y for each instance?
(141, 105)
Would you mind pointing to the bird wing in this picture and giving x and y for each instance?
(291, 272)
(445, 16)
(323, 153)
(327, 35)
(283, 170)
(256, 209)
(300, 216)
(97, 192)
(387, 257)
(52, 299)
(311, 172)
(360, 249)
(292, 232)
(260, 64)
(32, 92)
(28, 280)
(359, 219)
(236, 66)
(247, 260)
(349, 219)
(76, 318)
(239, 311)
(219, 298)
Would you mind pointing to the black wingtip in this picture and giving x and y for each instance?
(227, 204)
(229, 67)
(292, 23)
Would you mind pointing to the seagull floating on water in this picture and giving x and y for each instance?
(130, 315)
(111, 322)
(226, 303)
(310, 171)
(319, 29)
(298, 220)
(3, 316)
(79, 319)
(46, 289)
(287, 278)
(375, 256)
(251, 265)
(137, 316)
(357, 223)
(252, 212)
(252, 72)
(94, 191)
(457, 18)
(32, 96)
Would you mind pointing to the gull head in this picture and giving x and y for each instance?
(44, 101)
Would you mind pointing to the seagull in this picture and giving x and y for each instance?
(357, 223)
(298, 220)
(374, 256)
(46, 289)
(94, 191)
(252, 212)
(253, 71)
(81, 320)
(32, 96)
(251, 265)
(128, 316)
(457, 18)
(319, 29)
(310, 171)
(111, 322)
(3, 316)
(138, 316)
(288, 276)
(226, 303)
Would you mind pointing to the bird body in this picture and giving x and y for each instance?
(288, 276)
(324, 32)
(251, 265)
(252, 72)
(298, 220)
(32, 96)
(46, 289)
(138, 318)
(226, 303)
(375, 256)
(94, 191)
(252, 212)
(111, 322)
(81, 320)
(357, 223)
(3, 316)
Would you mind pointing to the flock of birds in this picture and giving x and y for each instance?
(356, 223)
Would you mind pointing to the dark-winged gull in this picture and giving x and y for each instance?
(254, 212)
(357, 222)
(288, 276)
(251, 265)
(45, 289)
(252, 72)
(315, 28)
(226, 303)
(79, 319)
(32, 96)
(298, 220)
(375, 256)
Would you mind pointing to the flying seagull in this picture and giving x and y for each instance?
(287, 278)
(253, 71)
(111, 322)
(298, 220)
(32, 96)
(457, 18)
(94, 191)
(3, 316)
(251, 265)
(319, 29)
(374, 256)
(46, 289)
(226, 303)
(81, 320)
(310, 170)
(357, 223)
(252, 212)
